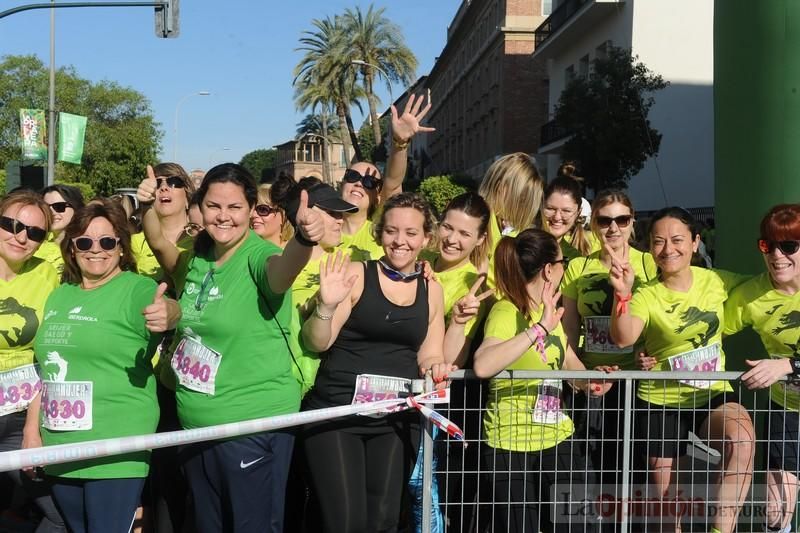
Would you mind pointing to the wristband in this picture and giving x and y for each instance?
(538, 340)
(546, 332)
(622, 303)
(399, 144)
(320, 315)
(303, 241)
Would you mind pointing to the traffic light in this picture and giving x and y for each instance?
(167, 19)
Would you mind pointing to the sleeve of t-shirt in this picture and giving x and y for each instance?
(501, 322)
(641, 303)
(736, 310)
(731, 280)
(569, 286)
(258, 266)
(143, 291)
(649, 267)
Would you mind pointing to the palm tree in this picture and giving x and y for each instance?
(324, 77)
(377, 41)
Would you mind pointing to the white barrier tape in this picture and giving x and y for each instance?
(65, 453)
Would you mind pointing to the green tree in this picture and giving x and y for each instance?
(376, 40)
(373, 152)
(439, 190)
(260, 163)
(606, 115)
(122, 136)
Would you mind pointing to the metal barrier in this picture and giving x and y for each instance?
(620, 464)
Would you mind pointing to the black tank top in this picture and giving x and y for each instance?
(379, 337)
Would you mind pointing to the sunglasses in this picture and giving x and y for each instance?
(173, 182)
(622, 221)
(368, 182)
(192, 230)
(14, 226)
(85, 243)
(59, 207)
(787, 247)
(264, 210)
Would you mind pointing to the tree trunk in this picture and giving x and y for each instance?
(376, 125)
(344, 133)
(353, 135)
(326, 169)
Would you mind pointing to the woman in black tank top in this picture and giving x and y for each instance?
(384, 319)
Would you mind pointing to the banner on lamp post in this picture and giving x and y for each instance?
(33, 130)
(71, 131)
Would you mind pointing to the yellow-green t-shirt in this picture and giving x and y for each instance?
(22, 302)
(146, 262)
(512, 420)
(586, 282)
(305, 286)
(676, 323)
(50, 251)
(776, 318)
(361, 245)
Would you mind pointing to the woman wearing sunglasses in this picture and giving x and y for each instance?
(94, 390)
(63, 200)
(770, 304)
(680, 316)
(25, 283)
(269, 220)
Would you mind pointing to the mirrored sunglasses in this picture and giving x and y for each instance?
(368, 182)
(12, 225)
(84, 243)
(787, 247)
(59, 207)
(192, 230)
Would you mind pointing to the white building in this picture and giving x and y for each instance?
(674, 38)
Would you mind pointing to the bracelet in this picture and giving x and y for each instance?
(544, 328)
(399, 144)
(622, 303)
(303, 241)
(538, 340)
(320, 315)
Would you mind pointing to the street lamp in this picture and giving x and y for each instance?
(214, 153)
(362, 63)
(175, 130)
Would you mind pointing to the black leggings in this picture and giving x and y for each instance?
(359, 476)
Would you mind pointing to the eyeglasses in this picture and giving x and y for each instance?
(564, 261)
(787, 247)
(84, 243)
(367, 181)
(202, 295)
(173, 182)
(14, 226)
(621, 221)
(264, 210)
(59, 207)
(192, 230)
(566, 213)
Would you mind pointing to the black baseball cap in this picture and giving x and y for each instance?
(325, 197)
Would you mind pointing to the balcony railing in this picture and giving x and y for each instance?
(552, 132)
(557, 19)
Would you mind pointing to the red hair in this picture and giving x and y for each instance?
(781, 223)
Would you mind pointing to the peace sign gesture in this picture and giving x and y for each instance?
(621, 276)
(469, 305)
(309, 222)
(551, 316)
(405, 126)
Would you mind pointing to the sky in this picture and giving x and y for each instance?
(241, 51)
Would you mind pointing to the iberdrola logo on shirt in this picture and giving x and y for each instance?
(601, 294)
(18, 336)
(692, 316)
(790, 320)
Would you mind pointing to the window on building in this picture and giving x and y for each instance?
(601, 52)
(583, 67)
(547, 7)
(569, 74)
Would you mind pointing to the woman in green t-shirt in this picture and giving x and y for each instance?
(679, 317)
(770, 304)
(527, 433)
(95, 390)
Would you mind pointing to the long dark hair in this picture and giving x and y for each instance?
(472, 204)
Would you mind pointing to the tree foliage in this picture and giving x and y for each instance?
(606, 115)
(372, 152)
(122, 136)
(439, 190)
(260, 163)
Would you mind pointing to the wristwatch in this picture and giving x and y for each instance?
(795, 367)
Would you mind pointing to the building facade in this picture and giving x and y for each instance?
(673, 39)
(303, 157)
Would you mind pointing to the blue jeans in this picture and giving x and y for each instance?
(98, 505)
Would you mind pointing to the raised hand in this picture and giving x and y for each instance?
(146, 193)
(309, 222)
(621, 276)
(405, 126)
(469, 305)
(334, 285)
(552, 314)
(155, 314)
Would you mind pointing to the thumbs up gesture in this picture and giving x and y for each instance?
(146, 193)
(309, 222)
(156, 314)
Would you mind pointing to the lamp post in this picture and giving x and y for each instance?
(362, 63)
(214, 153)
(175, 129)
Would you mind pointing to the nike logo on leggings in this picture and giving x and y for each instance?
(244, 465)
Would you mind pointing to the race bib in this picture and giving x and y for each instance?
(67, 405)
(18, 386)
(547, 409)
(196, 365)
(374, 388)
(597, 338)
(705, 359)
(791, 387)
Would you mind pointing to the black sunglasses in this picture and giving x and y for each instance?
(787, 247)
(85, 243)
(368, 182)
(622, 221)
(12, 225)
(59, 207)
(173, 182)
(264, 210)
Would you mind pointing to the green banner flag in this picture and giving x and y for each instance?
(33, 130)
(71, 130)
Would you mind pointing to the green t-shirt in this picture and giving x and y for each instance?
(50, 251)
(514, 419)
(676, 323)
(586, 282)
(304, 288)
(99, 336)
(22, 301)
(776, 318)
(361, 245)
(146, 262)
(231, 311)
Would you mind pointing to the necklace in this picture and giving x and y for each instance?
(396, 275)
